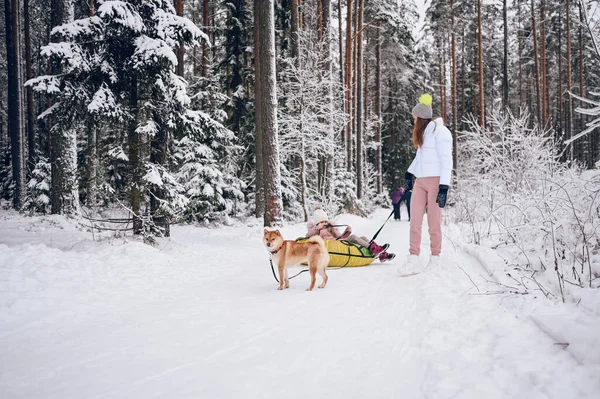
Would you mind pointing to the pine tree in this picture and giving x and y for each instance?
(119, 66)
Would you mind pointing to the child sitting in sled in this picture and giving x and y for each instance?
(321, 225)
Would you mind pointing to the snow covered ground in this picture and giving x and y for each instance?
(199, 316)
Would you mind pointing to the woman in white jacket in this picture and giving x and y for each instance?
(432, 168)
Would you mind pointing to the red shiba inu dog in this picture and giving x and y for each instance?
(289, 253)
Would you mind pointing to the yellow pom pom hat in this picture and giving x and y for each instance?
(423, 108)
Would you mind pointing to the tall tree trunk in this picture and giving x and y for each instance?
(463, 73)
(194, 53)
(480, 48)
(475, 84)
(329, 166)
(55, 140)
(181, 47)
(294, 28)
(29, 92)
(454, 89)
(267, 107)
(584, 145)
(158, 156)
(341, 45)
(14, 97)
(505, 58)
(63, 149)
(537, 66)
(354, 75)
(543, 64)
(520, 40)
(443, 100)
(569, 80)
(320, 19)
(134, 158)
(92, 152)
(378, 110)
(259, 193)
(206, 28)
(359, 99)
(560, 118)
(348, 81)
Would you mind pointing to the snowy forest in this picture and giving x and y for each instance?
(202, 111)
(148, 147)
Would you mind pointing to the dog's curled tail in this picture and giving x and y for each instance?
(316, 239)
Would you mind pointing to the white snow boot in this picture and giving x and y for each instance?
(434, 260)
(411, 266)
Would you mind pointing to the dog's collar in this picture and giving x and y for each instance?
(277, 250)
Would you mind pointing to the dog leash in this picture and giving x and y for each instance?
(378, 231)
(289, 278)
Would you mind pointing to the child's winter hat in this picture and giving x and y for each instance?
(319, 216)
(423, 108)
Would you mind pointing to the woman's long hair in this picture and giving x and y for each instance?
(419, 131)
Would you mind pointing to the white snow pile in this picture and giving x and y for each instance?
(199, 316)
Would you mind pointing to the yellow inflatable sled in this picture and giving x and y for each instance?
(346, 254)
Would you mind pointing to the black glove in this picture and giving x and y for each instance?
(408, 181)
(442, 194)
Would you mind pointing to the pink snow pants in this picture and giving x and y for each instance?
(424, 194)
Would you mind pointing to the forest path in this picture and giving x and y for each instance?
(200, 317)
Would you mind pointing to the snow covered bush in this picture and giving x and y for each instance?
(512, 194)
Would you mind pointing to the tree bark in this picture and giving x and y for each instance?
(294, 28)
(505, 58)
(475, 84)
(14, 97)
(378, 110)
(92, 152)
(520, 41)
(158, 156)
(560, 78)
(359, 99)
(348, 81)
(267, 107)
(134, 157)
(206, 28)
(442, 82)
(584, 145)
(569, 80)
(537, 66)
(181, 47)
(326, 37)
(341, 45)
(64, 194)
(543, 65)
(259, 194)
(454, 89)
(463, 74)
(481, 91)
(31, 156)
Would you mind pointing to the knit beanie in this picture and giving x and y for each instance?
(423, 108)
(319, 216)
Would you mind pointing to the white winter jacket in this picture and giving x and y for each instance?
(434, 157)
